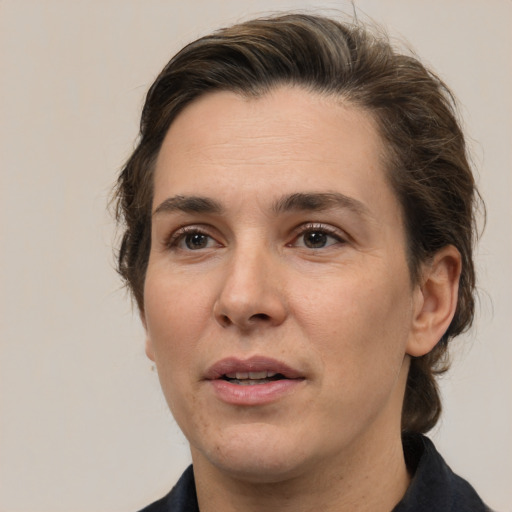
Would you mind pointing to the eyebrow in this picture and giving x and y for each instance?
(300, 201)
(189, 204)
(315, 201)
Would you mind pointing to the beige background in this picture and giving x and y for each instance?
(83, 425)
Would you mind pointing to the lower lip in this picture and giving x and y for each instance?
(255, 394)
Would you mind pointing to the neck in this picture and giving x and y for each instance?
(365, 480)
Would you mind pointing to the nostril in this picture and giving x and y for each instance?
(260, 316)
(225, 320)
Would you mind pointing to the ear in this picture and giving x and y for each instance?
(435, 300)
(148, 345)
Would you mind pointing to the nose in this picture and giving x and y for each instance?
(251, 295)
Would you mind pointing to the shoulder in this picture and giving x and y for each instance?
(182, 497)
(434, 485)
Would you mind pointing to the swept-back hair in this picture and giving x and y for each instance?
(426, 159)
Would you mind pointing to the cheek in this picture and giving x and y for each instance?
(173, 323)
(359, 323)
(175, 316)
(175, 307)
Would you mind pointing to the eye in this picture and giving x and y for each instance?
(195, 241)
(317, 237)
(191, 239)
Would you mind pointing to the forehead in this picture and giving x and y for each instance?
(286, 141)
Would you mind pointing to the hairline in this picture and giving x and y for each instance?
(387, 154)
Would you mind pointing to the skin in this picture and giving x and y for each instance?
(342, 310)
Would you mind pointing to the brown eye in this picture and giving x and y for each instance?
(194, 241)
(315, 239)
(191, 239)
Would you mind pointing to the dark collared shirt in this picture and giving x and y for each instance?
(434, 486)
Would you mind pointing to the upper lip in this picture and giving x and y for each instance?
(252, 364)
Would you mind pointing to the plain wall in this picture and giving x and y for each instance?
(83, 425)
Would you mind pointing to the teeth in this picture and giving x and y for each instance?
(249, 382)
(258, 375)
(250, 375)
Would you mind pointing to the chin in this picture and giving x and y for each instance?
(255, 454)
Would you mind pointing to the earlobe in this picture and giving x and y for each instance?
(436, 301)
(148, 346)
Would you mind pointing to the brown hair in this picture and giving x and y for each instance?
(426, 154)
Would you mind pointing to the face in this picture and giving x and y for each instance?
(278, 302)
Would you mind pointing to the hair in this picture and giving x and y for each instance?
(426, 157)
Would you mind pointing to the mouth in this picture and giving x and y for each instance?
(252, 378)
(258, 380)
(254, 370)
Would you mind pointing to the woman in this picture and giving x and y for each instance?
(299, 231)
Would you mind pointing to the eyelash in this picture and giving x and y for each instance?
(180, 235)
(321, 229)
